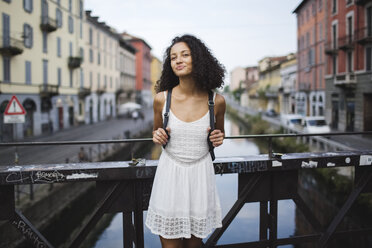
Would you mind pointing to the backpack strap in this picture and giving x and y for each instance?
(166, 113)
(211, 122)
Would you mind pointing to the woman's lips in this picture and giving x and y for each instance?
(179, 68)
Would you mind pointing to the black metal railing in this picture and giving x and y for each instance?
(48, 24)
(364, 35)
(275, 176)
(74, 62)
(10, 46)
(47, 90)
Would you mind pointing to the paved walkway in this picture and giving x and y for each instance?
(105, 130)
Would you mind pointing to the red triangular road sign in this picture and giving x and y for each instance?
(14, 107)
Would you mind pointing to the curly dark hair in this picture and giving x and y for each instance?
(207, 72)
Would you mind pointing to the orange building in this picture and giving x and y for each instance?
(311, 36)
(143, 69)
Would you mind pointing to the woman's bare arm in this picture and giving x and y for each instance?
(158, 135)
(218, 134)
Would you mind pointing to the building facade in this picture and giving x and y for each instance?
(156, 69)
(237, 78)
(41, 45)
(311, 36)
(288, 75)
(143, 69)
(127, 72)
(349, 65)
(101, 65)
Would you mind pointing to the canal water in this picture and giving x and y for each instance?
(245, 226)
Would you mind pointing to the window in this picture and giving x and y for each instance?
(28, 72)
(70, 25)
(368, 58)
(369, 21)
(97, 39)
(334, 36)
(320, 53)
(81, 9)
(27, 5)
(59, 76)
(28, 35)
(6, 68)
(70, 48)
(90, 36)
(320, 31)
(8, 1)
(349, 2)
(334, 64)
(90, 79)
(81, 29)
(45, 71)
(111, 82)
(59, 17)
(334, 6)
(99, 58)
(81, 54)
(313, 9)
(90, 55)
(105, 82)
(349, 61)
(58, 47)
(98, 81)
(320, 5)
(59, 2)
(71, 78)
(81, 78)
(69, 5)
(45, 42)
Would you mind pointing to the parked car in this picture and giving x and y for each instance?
(315, 124)
(293, 121)
(271, 113)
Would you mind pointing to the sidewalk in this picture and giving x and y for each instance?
(105, 130)
(354, 142)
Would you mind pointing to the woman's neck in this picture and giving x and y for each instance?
(188, 86)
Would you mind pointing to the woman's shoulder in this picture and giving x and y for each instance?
(159, 98)
(219, 100)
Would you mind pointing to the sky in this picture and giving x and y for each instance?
(238, 32)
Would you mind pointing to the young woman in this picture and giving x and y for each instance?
(184, 205)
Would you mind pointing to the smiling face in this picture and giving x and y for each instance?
(181, 61)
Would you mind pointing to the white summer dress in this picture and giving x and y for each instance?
(184, 198)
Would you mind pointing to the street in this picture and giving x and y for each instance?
(105, 130)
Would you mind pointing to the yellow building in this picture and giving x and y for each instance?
(288, 74)
(156, 69)
(265, 95)
(41, 47)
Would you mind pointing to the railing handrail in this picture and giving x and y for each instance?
(253, 136)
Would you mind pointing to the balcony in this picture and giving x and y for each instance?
(11, 46)
(48, 24)
(361, 2)
(83, 92)
(47, 91)
(331, 48)
(100, 91)
(346, 43)
(346, 80)
(74, 62)
(364, 35)
(306, 87)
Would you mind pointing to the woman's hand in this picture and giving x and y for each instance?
(216, 137)
(159, 136)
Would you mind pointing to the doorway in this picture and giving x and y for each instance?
(367, 113)
(334, 123)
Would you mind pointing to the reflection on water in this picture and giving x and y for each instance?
(245, 227)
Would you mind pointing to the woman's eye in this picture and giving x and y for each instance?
(173, 58)
(186, 55)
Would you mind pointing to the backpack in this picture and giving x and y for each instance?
(211, 119)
